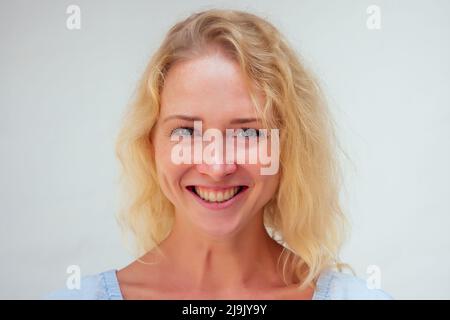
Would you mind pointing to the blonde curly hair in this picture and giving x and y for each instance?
(305, 214)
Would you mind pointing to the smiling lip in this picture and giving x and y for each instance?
(217, 205)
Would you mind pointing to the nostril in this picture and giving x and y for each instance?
(216, 170)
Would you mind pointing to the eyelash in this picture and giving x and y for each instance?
(178, 128)
(258, 133)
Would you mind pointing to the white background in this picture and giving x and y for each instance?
(62, 94)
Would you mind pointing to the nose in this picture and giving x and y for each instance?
(215, 165)
(216, 171)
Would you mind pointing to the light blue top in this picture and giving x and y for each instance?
(331, 285)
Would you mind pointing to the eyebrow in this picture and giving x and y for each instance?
(190, 118)
(244, 120)
(182, 117)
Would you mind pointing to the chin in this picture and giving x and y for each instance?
(220, 227)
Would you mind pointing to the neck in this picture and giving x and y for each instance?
(246, 260)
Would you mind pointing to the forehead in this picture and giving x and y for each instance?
(210, 85)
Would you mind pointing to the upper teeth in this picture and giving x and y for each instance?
(215, 195)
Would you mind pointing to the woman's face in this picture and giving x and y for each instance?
(216, 197)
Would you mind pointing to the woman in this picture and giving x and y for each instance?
(221, 229)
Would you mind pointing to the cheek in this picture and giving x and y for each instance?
(162, 151)
(165, 169)
(267, 184)
(169, 173)
(270, 185)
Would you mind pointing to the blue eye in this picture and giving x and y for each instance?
(248, 132)
(182, 131)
